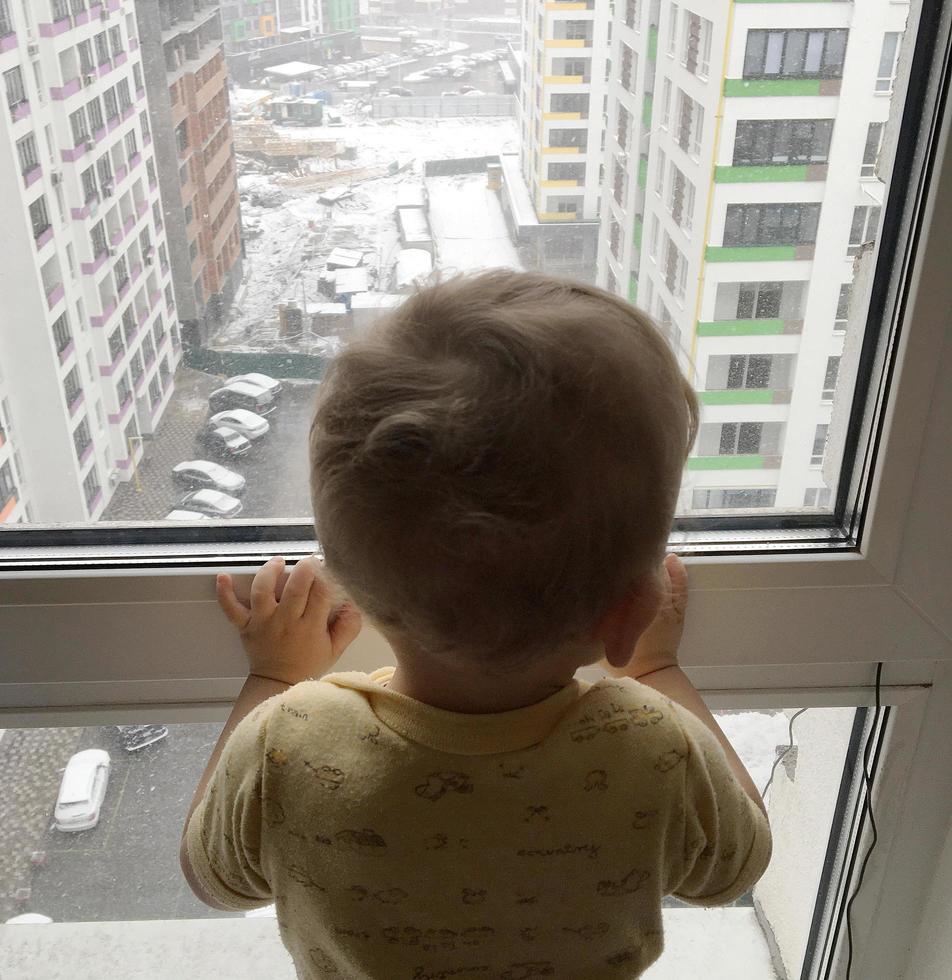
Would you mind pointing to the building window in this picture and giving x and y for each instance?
(675, 269)
(622, 133)
(795, 54)
(121, 272)
(843, 307)
(681, 199)
(566, 171)
(819, 444)
(696, 44)
(94, 111)
(863, 227)
(122, 90)
(91, 486)
(733, 497)
(8, 486)
(631, 13)
(115, 41)
(874, 142)
(39, 217)
(115, 345)
(86, 63)
(829, 378)
(135, 367)
(112, 106)
(673, 30)
(759, 300)
(888, 58)
(77, 122)
(665, 103)
(782, 142)
(155, 391)
(6, 25)
(771, 224)
(132, 147)
(82, 438)
(740, 438)
(90, 189)
(629, 68)
(660, 173)
(98, 238)
(102, 49)
(653, 237)
(123, 390)
(61, 333)
(26, 153)
(816, 497)
(739, 371)
(71, 386)
(569, 137)
(13, 82)
(690, 124)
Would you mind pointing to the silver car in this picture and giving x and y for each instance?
(265, 381)
(201, 473)
(212, 502)
(246, 423)
(82, 791)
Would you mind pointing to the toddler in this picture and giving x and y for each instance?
(495, 467)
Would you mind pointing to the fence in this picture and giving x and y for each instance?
(444, 105)
(461, 165)
(278, 364)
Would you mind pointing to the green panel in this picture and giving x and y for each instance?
(652, 43)
(276, 363)
(646, 110)
(725, 463)
(737, 396)
(632, 288)
(739, 328)
(771, 86)
(751, 175)
(752, 253)
(239, 30)
(643, 172)
(636, 233)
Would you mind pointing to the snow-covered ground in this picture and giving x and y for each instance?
(288, 241)
(468, 225)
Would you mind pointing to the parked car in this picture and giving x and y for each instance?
(263, 380)
(242, 394)
(248, 424)
(223, 441)
(30, 918)
(82, 791)
(198, 473)
(212, 502)
(135, 737)
(185, 515)
(400, 90)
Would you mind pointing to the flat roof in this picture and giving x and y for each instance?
(291, 69)
(413, 224)
(375, 301)
(520, 203)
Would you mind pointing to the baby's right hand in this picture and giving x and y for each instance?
(657, 647)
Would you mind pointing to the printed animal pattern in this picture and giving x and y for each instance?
(424, 877)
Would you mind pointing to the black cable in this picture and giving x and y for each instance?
(763, 792)
(868, 805)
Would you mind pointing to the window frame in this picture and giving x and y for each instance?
(832, 601)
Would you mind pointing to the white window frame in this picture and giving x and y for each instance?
(766, 627)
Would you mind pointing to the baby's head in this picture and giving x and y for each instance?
(497, 462)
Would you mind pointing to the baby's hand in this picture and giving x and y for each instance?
(657, 647)
(292, 633)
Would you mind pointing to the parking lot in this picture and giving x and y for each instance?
(276, 469)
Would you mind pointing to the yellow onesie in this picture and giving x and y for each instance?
(403, 842)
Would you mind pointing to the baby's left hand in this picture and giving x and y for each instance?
(290, 634)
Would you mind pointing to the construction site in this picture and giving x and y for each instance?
(341, 220)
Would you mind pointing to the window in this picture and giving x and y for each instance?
(87, 64)
(155, 391)
(91, 487)
(77, 122)
(566, 171)
(660, 173)
(819, 444)
(829, 379)
(82, 439)
(112, 106)
(733, 498)
(675, 269)
(26, 153)
(783, 142)
(696, 44)
(115, 41)
(771, 224)
(8, 487)
(123, 390)
(61, 333)
(681, 198)
(666, 103)
(653, 238)
(115, 345)
(122, 91)
(94, 112)
(132, 148)
(98, 238)
(570, 102)
(874, 142)
(816, 497)
(690, 124)
(629, 67)
(795, 54)
(742, 438)
(13, 83)
(863, 227)
(39, 217)
(102, 48)
(739, 371)
(843, 307)
(760, 300)
(90, 190)
(71, 387)
(631, 13)
(673, 29)
(569, 138)
(886, 74)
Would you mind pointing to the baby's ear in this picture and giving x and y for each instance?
(627, 618)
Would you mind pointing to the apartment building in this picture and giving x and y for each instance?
(187, 79)
(319, 16)
(88, 343)
(249, 24)
(741, 184)
(254, 24)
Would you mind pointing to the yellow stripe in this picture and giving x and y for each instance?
(559, 183)
(565, 42)
(563, 80)
(560, 149)
(561, 115)
(556, 216)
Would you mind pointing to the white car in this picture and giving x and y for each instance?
(260, 381)
(82, 791)
(200, 473)
(185, 515)
(212, 502)
(241, 420)
(29, 918)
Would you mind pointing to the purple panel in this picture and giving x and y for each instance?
(87, 452)
(65, 352)
(94, 503)
(120, 59)
(44, 238)
(53, 297)
(21, 111)
(8, 42)
(74, 406)
(32, 176)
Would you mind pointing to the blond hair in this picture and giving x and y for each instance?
(498, 460)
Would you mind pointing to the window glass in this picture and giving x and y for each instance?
(194, 198)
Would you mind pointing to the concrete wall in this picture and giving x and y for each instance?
(443, 106)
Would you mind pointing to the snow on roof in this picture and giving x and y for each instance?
(346, 258)
(325, 309)
(413, 224)
(413, 264)
(295, 30)
(292, 69)
(351, 280)
(411, 195)
(516, 191)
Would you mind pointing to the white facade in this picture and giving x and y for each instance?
(562, 93)
(750, 293)
(88, 341)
